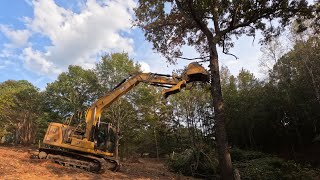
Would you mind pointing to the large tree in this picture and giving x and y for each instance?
(207, 24)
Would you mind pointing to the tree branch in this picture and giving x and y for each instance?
(235, 11)
(190, 59)
(215, 17)
(194, 18)
(248, 22)
(157, 25)
(225, 52)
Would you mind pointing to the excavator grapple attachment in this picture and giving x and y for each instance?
(195, 72)
(174, 89)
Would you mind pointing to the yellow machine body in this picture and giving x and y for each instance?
(57, 135)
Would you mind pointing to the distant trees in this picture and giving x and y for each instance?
(20, 111)
(72, 92)
(280, 113)
(192, 113)
(242, 97)
(295, 77)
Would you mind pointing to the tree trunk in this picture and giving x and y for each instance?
(156, 142)
(218, 105)
(179, 140)
(116, 148)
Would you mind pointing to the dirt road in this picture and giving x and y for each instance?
(16, 164)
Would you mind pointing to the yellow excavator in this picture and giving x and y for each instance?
(91, 146)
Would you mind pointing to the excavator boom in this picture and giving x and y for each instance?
(193, 72)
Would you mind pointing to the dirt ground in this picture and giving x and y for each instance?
(16, 164)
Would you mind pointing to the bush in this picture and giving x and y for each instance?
(240, 155)
(257, 165)
(195, 163)
(251, 164)
(263, 168)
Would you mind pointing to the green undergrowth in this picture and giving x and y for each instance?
(257, 165)
(251, 164)
(196, 163)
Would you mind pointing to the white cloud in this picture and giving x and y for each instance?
(5, 63)
(5, 52)
(144, 66)
(18, 38)
(34, 59)
(77, 38)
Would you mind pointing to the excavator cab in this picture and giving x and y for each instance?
(104, 137)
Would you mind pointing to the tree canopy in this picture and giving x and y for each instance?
(171, 24)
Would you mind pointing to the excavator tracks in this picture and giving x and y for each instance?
(71, 159)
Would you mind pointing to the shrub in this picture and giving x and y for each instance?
(240, 155)
(195, 163)
(257, 165)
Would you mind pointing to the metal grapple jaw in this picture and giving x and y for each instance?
(193, 73)
(174, 89)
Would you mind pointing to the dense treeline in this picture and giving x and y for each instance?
(279, 114)
(21, 115)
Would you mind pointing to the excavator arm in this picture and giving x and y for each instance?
(194, 72)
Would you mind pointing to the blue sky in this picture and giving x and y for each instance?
(40, 39)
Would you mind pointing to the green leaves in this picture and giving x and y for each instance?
(172, 24)
(283, 110)
(20, 107)
(73, 91)
(113, 68)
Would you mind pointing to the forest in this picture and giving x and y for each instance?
(275, 119)
(236, 126)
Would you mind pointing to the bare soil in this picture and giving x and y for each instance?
(15, 163)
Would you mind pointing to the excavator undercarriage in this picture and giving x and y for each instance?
(76, 159)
